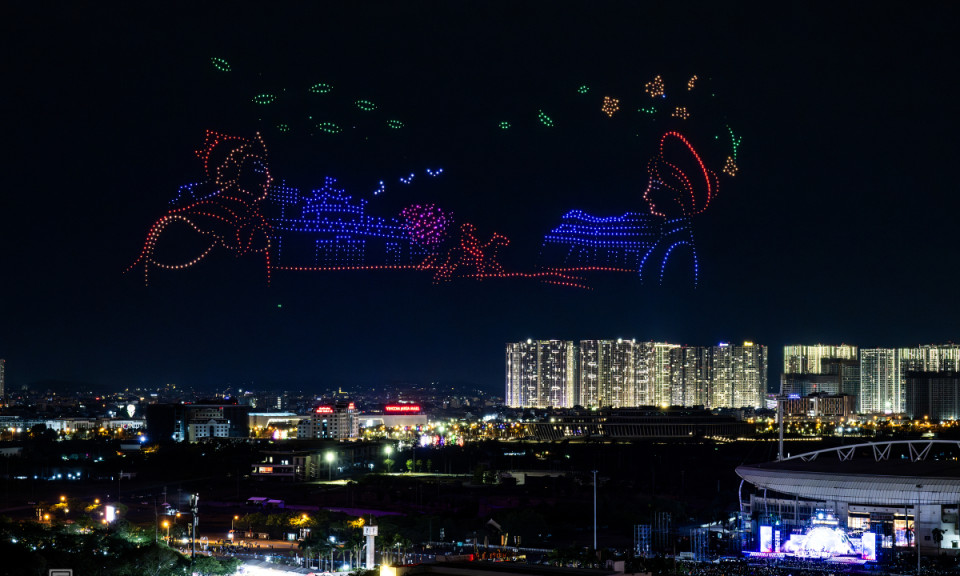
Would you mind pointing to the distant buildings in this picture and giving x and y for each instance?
(815, 359)
(918, 381)
(820, 369)
(880, 390)
(933, 396)
(197, 422)
(340, 420)
(3, 384)
(625, 373)
(637, 423)
(541, 373)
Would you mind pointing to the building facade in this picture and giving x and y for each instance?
(933, 396)
(542, 373)
(804, 359)
(880, 386)
(339, 420)
(626, 373)
(197, 422)
(607, 375)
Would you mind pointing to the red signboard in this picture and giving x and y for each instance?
(406, 408)
(324, 409)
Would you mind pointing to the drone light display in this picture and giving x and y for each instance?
(655, 88)
(229, 216)
(329, 230)
(610, 106)
(220, 64)
(264, 99)
(328, 127)
(679, 187)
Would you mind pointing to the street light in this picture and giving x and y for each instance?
(167, 526)
(330, 456)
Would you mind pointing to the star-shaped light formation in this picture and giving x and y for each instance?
(610, 106)
(654, 88)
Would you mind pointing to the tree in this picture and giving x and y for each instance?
(210, 566)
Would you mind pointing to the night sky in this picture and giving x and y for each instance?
(838, 227)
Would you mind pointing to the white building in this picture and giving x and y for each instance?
(340, 420)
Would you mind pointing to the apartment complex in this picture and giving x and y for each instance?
(626, 373)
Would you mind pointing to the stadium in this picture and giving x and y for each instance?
(855, 503)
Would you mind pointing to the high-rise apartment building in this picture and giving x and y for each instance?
(880, 387)
(3, 382)
(930, 358)
(739, 375)
(653, 367)
(607, 373)
(542, 373)
(820, 369)
(625, 373)
(932, 395)
(801, 359)
(692, 376)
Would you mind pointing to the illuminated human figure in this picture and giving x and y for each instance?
(229, 216)
(470, 258)
(679, 187)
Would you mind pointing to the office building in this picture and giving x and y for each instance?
(339, 420)
(880, 386)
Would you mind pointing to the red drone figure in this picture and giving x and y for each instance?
(228, 217)
(680, 187)
(471, 258)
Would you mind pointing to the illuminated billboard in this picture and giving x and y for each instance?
(766, 539)
(402, 408)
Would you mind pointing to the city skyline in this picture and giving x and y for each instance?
(812, 201)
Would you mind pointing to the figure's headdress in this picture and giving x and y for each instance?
(679, 179)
